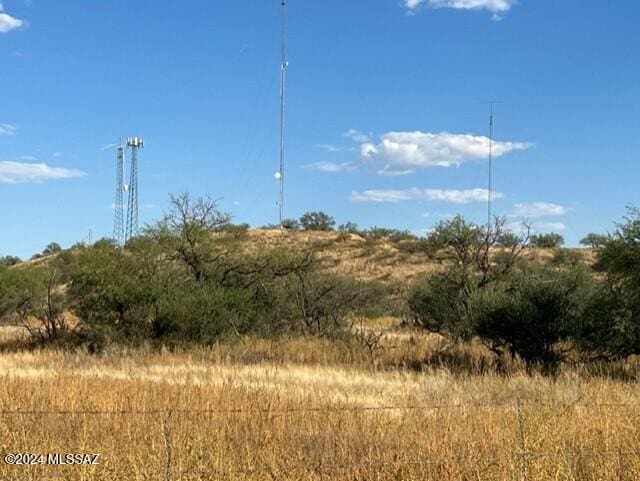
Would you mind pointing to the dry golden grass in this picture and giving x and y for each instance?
(309, 409)
(349, 254)
(11, 333)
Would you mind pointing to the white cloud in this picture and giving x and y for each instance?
(8, 129)
(357, 136)
(330, 147)
(538, 209)
(497, 7)
(402, 151)
(537, 227)
(548, 226)
(12, 172)
(453, 196)
(394, 173)
(325, 166)
(7, 22)
(386, 195)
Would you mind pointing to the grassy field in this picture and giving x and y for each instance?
(314, 410)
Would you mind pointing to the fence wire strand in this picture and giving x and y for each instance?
(311, 409)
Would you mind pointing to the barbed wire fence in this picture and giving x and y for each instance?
(169, 472)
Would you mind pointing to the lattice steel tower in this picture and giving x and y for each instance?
(134, 143)
(118, 224)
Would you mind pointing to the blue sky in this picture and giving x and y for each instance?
(387, 110)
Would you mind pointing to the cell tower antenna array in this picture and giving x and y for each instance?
(134, 143)
(283, 78)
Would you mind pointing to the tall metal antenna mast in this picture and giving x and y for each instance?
(118, 225)
(134, 143)
(490, 193)
(283, 78)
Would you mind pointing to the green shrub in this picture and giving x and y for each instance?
(33, 297)
(290, 224)
(350, 227)
(236, 231)
(203, 314)
(547, 241)
(52, 248)
(8, 261)
(319, 304)
(508, 240)
(594, 240)
(318, 221)
(529, 315)
(525, 314)
(114, 292)
(514, 307)
(612, 328)
(440, 305)
(16, 287)
(394, 235)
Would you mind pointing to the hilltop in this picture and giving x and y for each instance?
(367, 259)
(392, 262)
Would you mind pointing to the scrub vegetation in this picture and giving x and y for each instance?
(208, 350)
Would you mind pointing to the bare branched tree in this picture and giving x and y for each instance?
(369, 338)
(187, 228)
(480, 253)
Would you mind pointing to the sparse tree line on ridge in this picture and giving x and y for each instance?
(190, 278)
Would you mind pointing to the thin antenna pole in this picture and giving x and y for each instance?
(283, 77)
(490, 192)
(490, 196)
